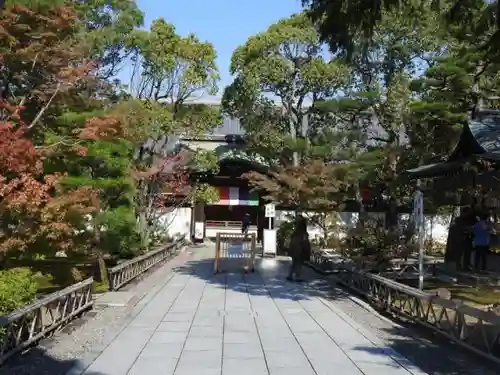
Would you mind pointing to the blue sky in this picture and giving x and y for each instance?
(225, 23)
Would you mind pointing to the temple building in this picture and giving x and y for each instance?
(227, 141)
(236, 197)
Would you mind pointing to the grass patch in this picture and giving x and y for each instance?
(46, 285)
(101, 287)
(481, 295)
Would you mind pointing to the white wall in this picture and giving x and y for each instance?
(436, 226)
(177, 223)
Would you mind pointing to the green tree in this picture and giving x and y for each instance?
(286, 63)
(170, 67)
(380, 95)
(342, 21)
(107, 28)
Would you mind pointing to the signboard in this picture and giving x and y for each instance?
(269, 243)
(199, 228)
(235, 250)
(270, 210)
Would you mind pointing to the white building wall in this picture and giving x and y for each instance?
(177, 223)
(436, 226)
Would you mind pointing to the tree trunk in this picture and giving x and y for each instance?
(102, 274)
(144, 229)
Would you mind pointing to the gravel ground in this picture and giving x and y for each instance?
(84, 339)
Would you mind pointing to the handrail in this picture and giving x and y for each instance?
(27, 325)
(223, 223)
(474, 329)
(125, 272)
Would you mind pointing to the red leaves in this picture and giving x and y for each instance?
(80, 150)
(31, 206)
(17, 154)
(104, 127)
(163, 183)
(314, 185)
(42, 57)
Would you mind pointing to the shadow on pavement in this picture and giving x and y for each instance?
(410, 345)
(431, 352)
(269, 278)
(37, 362)
(438, 357)
(426, 350)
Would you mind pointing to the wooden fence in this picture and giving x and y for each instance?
(127, 271)
(28, 325)
(474, 329)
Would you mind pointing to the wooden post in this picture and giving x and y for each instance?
(217, 253)
(253, 249)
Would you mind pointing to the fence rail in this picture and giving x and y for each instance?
(477, 330)
(127, 271)
(231, 246)
(28, 325)
(223, 224)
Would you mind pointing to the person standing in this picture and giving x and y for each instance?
(300, 249)
(468, 220)
(482, 241)
(245, 223)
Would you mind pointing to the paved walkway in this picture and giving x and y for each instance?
(256, 324)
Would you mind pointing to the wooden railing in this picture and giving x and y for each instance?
(474, 329)
(26, 326)
(127, 271)
(223, 224)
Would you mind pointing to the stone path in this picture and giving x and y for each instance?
(256, 324)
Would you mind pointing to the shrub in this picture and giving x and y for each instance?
(18, 288)
(283, 236)
(121, 238)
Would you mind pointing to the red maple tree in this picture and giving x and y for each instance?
(163, 184)
(42, 60)
(34, 210)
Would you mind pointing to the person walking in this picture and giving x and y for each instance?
(482, 240)
(300, 249)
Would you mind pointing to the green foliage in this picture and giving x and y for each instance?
(108, 27)
(343, 22)
(283, 237)
(144, 119)
(204, 161)
(18, 288)
(195, 120)
(119, 235)
(285, 62)
(170, 67)
(206, 193)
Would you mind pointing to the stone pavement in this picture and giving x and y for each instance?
(255, 324)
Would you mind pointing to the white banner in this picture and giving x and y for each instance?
(269, 243)
(199, 228)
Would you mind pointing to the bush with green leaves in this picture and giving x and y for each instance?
(18, 288)
(283, 236)
(120, 237)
